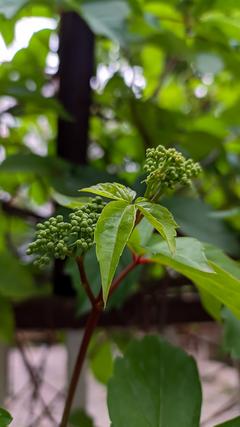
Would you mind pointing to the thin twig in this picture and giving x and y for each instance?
(84, 280)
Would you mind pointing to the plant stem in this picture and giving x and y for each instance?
(92, 322)
(84, 280)
(89, 329)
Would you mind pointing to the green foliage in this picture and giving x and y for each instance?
(231, 333)
(195, 261)
(232, 423)
(101, 361)
(113, 191)
(112, 232)
(5, 418)
(145, 383)
(161, 219)
(79, 419)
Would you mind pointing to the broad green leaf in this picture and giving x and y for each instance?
(16, 280)
(231, 333)
(101, 362)
(189, 252)
(154, 385)
(211, 304)
(195, 220)
(7, 322)
(112, 232)
(161, 219)
(68, 201)
(9, 8)
(235, 422)
(106, 17)
(140, 236)
(79, 418)
(112, 190)
(5, 418)
(218, 282)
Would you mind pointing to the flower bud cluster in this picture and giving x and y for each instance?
(168, 167)
(56, 238)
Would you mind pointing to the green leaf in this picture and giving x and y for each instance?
(5, 418)
(218, 282)
(161, 219)
(154, 385)
(112, 190)
(101, 362)
(189, 252)
(211, 304)
(231, 333)
(79, 418)
(9, 8)
(235, 422)
(106, 17)
(7, 322)
(68, 201)
(195, 219)
(140, 236)
(16, 279)
(112, 232)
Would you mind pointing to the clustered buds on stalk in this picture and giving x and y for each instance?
(166, 168)
(56, 238)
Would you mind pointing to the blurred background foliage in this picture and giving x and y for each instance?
(165, 73)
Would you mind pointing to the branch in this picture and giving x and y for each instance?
(84, 280)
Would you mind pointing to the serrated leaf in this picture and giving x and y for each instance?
(162, 220)
(112, 232)
(112, 190)
(218, 282)
(154, 385)
(189, 252)
(5, 418)
(235, 422)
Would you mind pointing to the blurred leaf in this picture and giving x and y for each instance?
(101, 362)
(163, 374)
(220, 283)
(231, 334)
(9, 8)
(105, 17)
(16, 280)
(235, 422)
(194, 218)
(79, 418)
(67, 201)
(7, 323)
(5, 418)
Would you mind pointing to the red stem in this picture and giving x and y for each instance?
(89, 329)
(97, 308)
(84, 279)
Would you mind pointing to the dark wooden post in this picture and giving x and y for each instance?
(76, 67)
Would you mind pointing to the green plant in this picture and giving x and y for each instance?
(111, 225)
